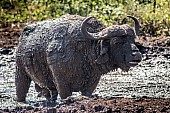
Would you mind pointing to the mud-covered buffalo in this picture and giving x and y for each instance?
(70, 53)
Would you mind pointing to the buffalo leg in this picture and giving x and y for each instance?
(63, 90)
(54, 94)
(91, 86)
(48, 93)
(22, 83)
(64, 93)
(42, 91)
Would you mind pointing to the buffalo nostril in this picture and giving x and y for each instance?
(137, 56)
(134, 53)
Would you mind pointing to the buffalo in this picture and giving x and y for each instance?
(70, 53)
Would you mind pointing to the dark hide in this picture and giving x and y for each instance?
(60, 59)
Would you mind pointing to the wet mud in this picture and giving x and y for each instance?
(145, 88)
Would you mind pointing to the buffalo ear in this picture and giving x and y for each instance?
(103, 57)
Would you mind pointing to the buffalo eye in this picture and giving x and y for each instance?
(119, 43)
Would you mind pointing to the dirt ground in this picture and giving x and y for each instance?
(100, 105)
(9, 38)
(9, 35)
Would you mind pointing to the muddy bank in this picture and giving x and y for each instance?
(102, 105)
(144, 88)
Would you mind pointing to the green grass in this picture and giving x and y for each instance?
(153, 16)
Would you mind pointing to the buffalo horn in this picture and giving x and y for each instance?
(92, 36)
(137, 25)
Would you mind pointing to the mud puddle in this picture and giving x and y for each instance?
(151, 78)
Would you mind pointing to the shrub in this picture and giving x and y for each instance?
(154, 15)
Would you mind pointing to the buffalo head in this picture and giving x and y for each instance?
(117, 44)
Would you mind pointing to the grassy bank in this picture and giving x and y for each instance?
(154, 15)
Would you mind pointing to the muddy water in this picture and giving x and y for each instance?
(150, 78)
